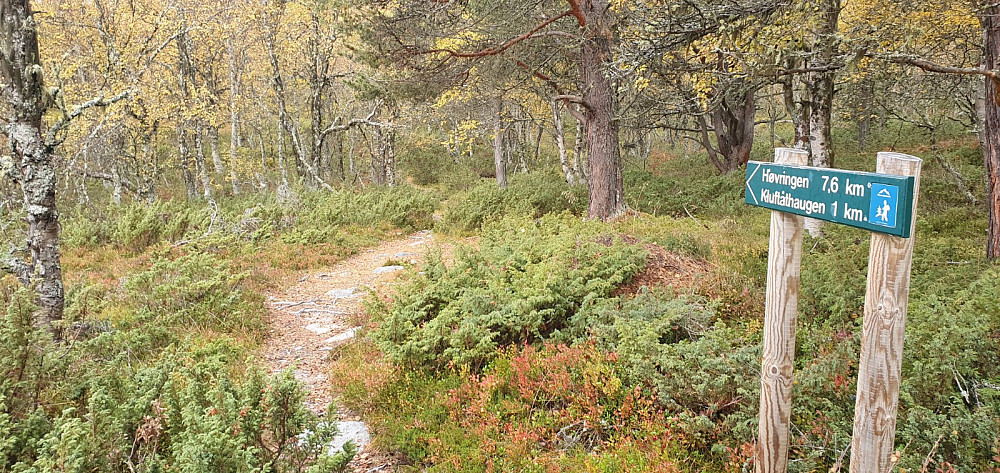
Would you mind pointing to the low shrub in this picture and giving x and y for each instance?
(523, 284)
(529, 195)
(182, 410)
(705, 195)
(400, 207)
(194, 290)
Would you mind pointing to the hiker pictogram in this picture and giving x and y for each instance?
(883, 207)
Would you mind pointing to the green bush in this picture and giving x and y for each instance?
(699, 369)
(315, 217)
(134, 226)
(524, 283)
(82, 410)
(702, 195)
(194, 290)
(400, 207)
(530, 195)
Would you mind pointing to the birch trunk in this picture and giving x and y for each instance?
(499, 161)
(23, 88)
(561, 143)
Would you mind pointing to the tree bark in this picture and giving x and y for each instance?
(561, 143)
(990, 21)
(213, 145)
(200, 164)
(605, 185)
(797, 107)
(235, 76)
(579, 150)
(184, 155)
(733, 125)
(24, 89)
(821, 91)
(499, 158)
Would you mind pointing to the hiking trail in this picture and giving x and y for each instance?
(314, 316)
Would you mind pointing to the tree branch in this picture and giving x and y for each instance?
(354, 122)
(51, 138)
(11, 264)
(574, 6)
(806, 70)
(932, 67)
(105, 177)
(503, 47)
(560, 95)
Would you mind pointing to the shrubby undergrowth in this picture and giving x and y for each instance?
(164, 309)
(311, 217)
(530, 195)
(104, 405)
(524, 283)
(680, 370)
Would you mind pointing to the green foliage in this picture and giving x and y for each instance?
(315, 217)
(400, 207)
(686, 188)
(524, 283)
(426, 161)
(194, 290)
(698, 369)
(531, 195)
(186, 411)
(134, 226)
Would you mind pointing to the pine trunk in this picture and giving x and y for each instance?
(991, 140)
(607, 199)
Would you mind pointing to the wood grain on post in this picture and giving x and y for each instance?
(882, 335)
(781, 306)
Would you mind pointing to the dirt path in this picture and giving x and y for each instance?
(312, 317)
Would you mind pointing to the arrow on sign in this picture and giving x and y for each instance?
(750, 189)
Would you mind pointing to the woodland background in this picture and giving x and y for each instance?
(170, 161)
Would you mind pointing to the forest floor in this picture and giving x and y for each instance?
(318, 314)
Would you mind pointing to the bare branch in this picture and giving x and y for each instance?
(11, 264)
(355, 122)
(806, 70)
(51, 138)
(105, 177)
(932, 67)
(577, 114)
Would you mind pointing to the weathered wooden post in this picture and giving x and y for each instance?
(882, 336)
(883, 202)
(781, 306)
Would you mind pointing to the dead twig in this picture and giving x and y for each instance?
(692, 218)
(928, 460)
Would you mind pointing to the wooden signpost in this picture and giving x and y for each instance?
(885, 203)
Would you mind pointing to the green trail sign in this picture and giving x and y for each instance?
(877, 202)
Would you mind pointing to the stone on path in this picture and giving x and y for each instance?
(353, 431)
(341, 293)
(404, 254)
(342, 336)
(318, 329)
(388, 269)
